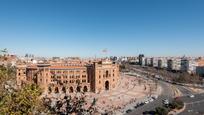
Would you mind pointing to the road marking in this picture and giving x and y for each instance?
(195, 102)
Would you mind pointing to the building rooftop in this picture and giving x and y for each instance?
(200, 62)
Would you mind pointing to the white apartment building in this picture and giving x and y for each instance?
(174, 64)
(162, 63)
(188, 65)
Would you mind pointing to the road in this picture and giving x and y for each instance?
(194, 106)
(183, 90)
(167, 93)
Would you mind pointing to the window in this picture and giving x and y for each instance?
(106, 73)
(77, 76)
(84, 81)
(77, 81)
(19, 73)
(65, 77)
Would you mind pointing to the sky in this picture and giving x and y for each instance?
(86, 27)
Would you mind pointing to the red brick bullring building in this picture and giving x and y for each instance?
(95, 77)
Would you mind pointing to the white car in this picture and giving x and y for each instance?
(146, 102)
(166, 101)
(191, 96)
(151, 100)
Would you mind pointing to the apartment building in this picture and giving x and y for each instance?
(188, 65)
(200, 67)
(147, 61)
(174, 64)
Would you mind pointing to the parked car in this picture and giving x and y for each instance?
(166, 101)
(154, 97)
(191, 96)
(151, 100)
(146, 102)
(128, 111)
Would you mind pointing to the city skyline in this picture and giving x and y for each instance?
(86, 28)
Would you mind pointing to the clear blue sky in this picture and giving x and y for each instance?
(86, 27)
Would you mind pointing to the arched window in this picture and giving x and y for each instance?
(107, 85)
(78, 89)
(78, 81)
(49, 90)
(56, 90)
(63, 89)
(71, 90)
(107, 73)
(85, 89)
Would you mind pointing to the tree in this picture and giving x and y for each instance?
(161, 111)
(177, 104)
(28, 100)
(70, 105)
(18, 101)
(23, 101)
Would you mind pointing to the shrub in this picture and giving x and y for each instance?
(161, 111)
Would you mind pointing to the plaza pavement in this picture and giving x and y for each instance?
(128, 92)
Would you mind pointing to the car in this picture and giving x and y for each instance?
(166, 101)
(128, 111)
(137, 105)
(141, 104)
(151, 100)
(191, 96)
(146, 102)
(154, 97)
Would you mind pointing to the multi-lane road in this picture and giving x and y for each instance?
(193, 106)
(167, 93)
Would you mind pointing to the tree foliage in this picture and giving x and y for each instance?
(177, 104)
(28, 99)
(22, 101)
(18, 101)
(70, 105)
(161, 111)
